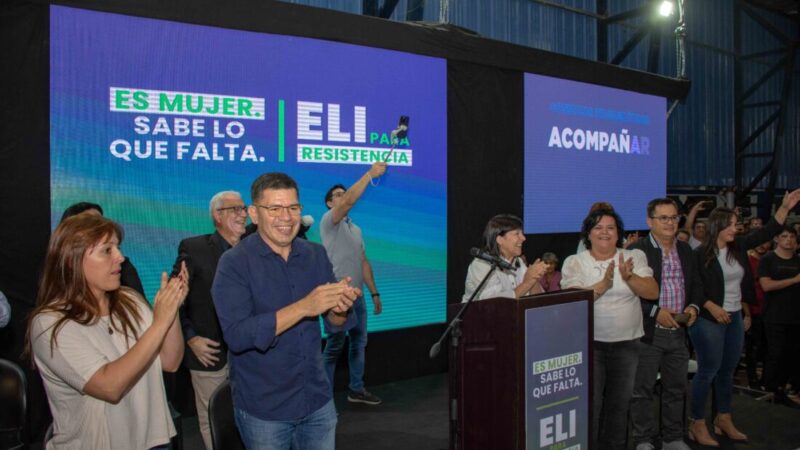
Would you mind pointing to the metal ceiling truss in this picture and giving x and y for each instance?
(414, 9)
(775, 122)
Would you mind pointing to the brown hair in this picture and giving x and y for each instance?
(718, 220)
(63, 288)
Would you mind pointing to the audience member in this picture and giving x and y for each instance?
(503, 238)
(755, 341)
(628, 240)
(551, 279)
(99, 347)
(719, 332)
(779, 274)
(130, 276)
(697, 227)
(683, 236)
(345, 246)
(269, 292)
(662, 350)
(5, 310)
(618, 278)
(206, 355)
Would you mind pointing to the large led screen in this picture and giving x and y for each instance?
(150, 118)
(586, 143)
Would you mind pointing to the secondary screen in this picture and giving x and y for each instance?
(151, 118)
(586, 143)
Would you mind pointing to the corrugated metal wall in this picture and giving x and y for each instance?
(701, 129)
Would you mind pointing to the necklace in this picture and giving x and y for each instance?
(107, 322)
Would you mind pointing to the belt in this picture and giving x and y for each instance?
(659, 326)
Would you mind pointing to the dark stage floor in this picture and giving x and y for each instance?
(414, 416)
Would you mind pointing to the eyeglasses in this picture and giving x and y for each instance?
(235, 209)
(275, 210)
(665, 219)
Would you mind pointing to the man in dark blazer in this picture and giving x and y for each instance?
(206, 353)
(663, 348)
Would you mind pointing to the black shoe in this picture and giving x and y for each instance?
(363, 397)
(782, 399)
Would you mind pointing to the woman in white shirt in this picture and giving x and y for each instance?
(99, 347)
(718, 334)
(503, 237)
(618, 278)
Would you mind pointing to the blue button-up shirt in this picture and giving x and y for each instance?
(272, 377)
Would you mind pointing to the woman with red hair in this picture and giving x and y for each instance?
(99, 347)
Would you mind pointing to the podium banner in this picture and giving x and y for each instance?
(557, 377)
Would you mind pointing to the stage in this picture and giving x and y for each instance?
(413, 416)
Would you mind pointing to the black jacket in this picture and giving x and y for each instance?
(711, 274)
(692, 285)
(198, 315)
(130, 277)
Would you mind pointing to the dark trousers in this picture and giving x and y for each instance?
(614, 374)
(668, 355)
(783, 349)
(755, 348)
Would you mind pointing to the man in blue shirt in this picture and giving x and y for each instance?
(269, 292)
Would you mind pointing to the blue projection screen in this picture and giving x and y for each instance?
(586, 143)
(150, 118)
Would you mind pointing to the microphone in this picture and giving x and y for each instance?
(305, 225)
(499, 262)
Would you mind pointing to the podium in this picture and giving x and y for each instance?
(520, 373)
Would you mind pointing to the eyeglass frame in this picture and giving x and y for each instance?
(236, 209)
(279, 208)
(666, 219)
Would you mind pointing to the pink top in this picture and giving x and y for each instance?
(551, 282)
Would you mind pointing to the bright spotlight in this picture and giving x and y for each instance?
(666, 8)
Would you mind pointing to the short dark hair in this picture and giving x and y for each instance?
(594, 218)
(78, 208)
(329, 194)
(272, 180)
(656, 202)
(550, 257)
(682, 230)
(787, 229)
(499, 225)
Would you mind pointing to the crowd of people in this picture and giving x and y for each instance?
(656, 296)
(241, 304)
(244, 304)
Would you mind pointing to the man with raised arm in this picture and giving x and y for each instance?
(345, 246)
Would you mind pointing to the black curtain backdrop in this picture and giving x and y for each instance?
(484, 165)
(485, 143)
(25, 180)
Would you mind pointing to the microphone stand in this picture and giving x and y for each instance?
(454, 330)
(454, 327)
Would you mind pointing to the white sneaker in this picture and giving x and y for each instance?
(675, 445)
